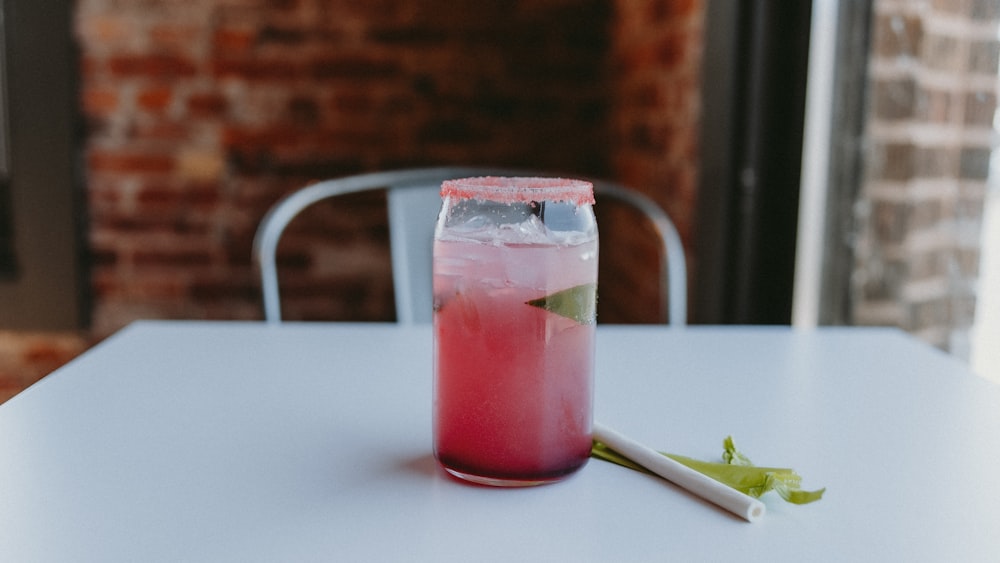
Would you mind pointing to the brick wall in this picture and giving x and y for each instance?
(27, 357)
(656, 89)
(933, 98)
(657, 55)
(200, 114)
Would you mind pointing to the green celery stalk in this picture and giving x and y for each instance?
(735, 471)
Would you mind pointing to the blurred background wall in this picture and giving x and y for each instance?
(929, 143)
(200, 114)
(197, 115)
(192, 117)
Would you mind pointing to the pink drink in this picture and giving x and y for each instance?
(514, 381)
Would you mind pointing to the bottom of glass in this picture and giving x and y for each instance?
(502, 482)
(512, 480)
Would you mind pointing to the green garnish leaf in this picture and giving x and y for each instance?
(578, 303)
(736, 471)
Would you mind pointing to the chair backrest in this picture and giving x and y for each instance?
(414, 202)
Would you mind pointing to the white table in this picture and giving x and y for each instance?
(193, 441)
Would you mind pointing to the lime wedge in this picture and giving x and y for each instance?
(578, 303)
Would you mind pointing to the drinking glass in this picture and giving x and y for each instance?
(515, 281)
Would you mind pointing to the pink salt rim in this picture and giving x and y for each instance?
(518, 189)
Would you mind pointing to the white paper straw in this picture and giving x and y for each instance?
(681, 475)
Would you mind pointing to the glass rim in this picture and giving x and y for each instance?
(520, 189)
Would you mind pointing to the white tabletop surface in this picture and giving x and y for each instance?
(186, 441)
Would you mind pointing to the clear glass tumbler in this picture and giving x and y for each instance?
(515, 283)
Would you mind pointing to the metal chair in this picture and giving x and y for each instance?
(413, 205)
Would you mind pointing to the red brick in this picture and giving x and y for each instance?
(174, 133)
(256, 69)
(27, 357)
(104, 193)
(155, 98)
(162, 196)
(8, 389)
(353, 67)
(156, 288)
(207, 105)
(155, 221)
(180, 257)
(129, 162)
(152, 66)
(285, 36)
(672, 50)
(90, 66)
(451, 131)
(170, 36)
(216, 289)
(409, 36)
(394, 10)
(645, 96)
(245, 139)
(232, 41)
(672, 10)
(100, 101)
(100, 258)
(303, 109)
(354, 103)
(104, 29)
(48, 354)
(648, 137)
